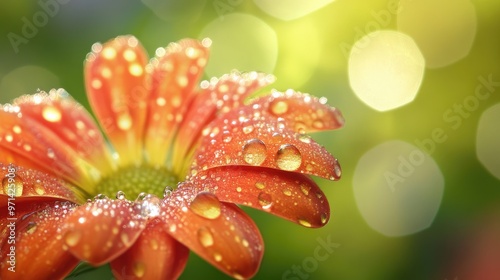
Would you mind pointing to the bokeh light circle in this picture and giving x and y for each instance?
(398, 188)
(488, 140)
(290, 9)
(386, 69)
(444, 30)
(241, 42)
(26, 80)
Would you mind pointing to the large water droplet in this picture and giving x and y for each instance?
(124, 121)
(51, 114)
(205, 237)
(254, 152)
(279, 107)
(73, 237)
(120, 195)
(265, 200)
(288, 157)
(304, 222)
(150, 205)
(206, 205)
(12, 185)
(139, 269)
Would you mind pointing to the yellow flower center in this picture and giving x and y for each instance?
(133, 180)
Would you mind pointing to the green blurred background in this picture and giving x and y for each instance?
(442, 215)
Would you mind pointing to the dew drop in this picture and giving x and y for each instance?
(337, 170)
(304, 138)
(120, 195)
(279, 107)
(50, 153)
(206, 205)
(12, 185)
(168, 191)
(16, 129)
(265, 200)
(304, 223)
(51, 114)
(153, 243)
(260, 185)
(73, 237)
(305, 189)
(150, 205)
(125, 239)
(100, 196)
(254, 152)
(217, 257)
(31, 228)
(287, 192)
(247, 129)
(288, 158)
(124, 121)
(324, 218)
(139, 269)
(205, 237)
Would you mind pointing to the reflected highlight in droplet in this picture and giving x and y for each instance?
(386, 69)
(488, 139)
(398, 188)
(444, 30)
(242, 42)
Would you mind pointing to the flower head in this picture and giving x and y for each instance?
(178, 157)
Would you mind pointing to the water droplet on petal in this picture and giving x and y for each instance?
(139, 269)
(288, 157)
(287, 192)
(12, 184)
(124, 121)
(50, 153)
(304, 223)
(217, 257)
(206, 205)
(100, 196)
(168, 191)
(247, 129)
(260, 185)
(304, 138)
(120, 195)
(150, 205)
(51, 114)
(254, 152)
(279, 107)
(73, 237)
(324, 218)
(265, 200)
(31, 227)
(205, 237)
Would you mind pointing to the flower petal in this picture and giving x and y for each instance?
(32, 186)
(67, 119)
(99, 231)
(155, 255)
(292, 196)
(302, 112)
(38, 248)
(220, 233)
(24, 140)
(175, 73)
(249, 137)
(118, 89)
(216, 97)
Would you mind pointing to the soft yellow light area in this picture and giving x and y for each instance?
(398, 188)
(241, 42)
(385, 69)
(298, 58)
(488, 140)
(444, 30)
(290, 9)
(26, 80)
(173, 10)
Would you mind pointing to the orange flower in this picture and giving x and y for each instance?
(61, 177)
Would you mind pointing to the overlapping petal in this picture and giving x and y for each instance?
(103, 229)
(38, 249)
(175, 72)
(292, 196)
(219, 232)
(118, 90)
(154, 255)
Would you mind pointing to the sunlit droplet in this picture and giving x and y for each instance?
(304, 222)
(288, 158)
(254, 152)
(73, 237)
(279, 107)
(124, 121)
(265, 200)
(12, 185)
(139, 269)
(51, 114)
(205, 237)
(206, 205)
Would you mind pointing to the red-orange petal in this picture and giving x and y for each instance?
(292, 196)
(216, 97)
(26, 186)
(301, 112)
(175, 72)
(247, 136)
(70, 121)
(25, 138)
(38, 246)
(118, 90)
(219, 232)
(154, 255)
(103, 229)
